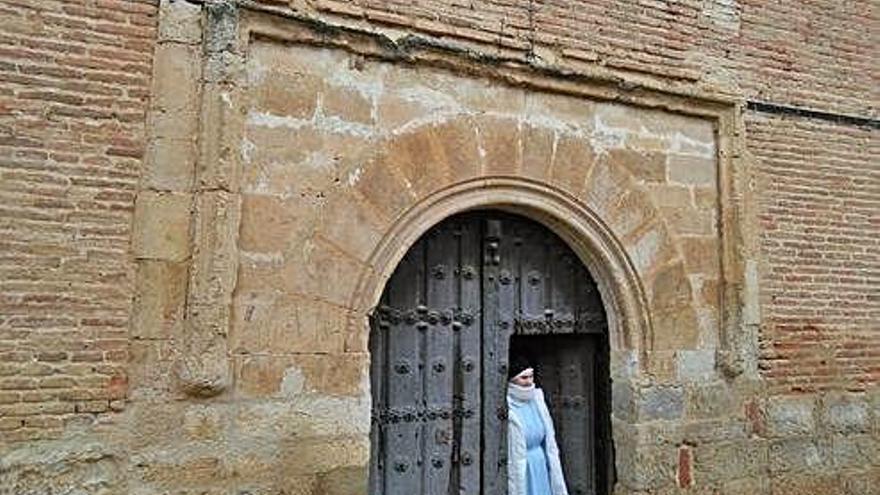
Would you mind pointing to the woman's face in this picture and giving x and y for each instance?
(524, 379)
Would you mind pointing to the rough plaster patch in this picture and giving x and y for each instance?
(431, 100)
(355, 176)
(275, 258)
(331, 125)
(293, 382)
(74, 466)
(247, 151)
(605, 137)
(684, 145)
(723, 13)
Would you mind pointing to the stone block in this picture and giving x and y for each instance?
(706, 197)
(410, 96)
(854, 451)
(180, 22)
(650, 249)
(262, 376)
(671, 288)
(81, 465)
(632, 213)
(269, 223)
(258, 427)
(385, 188)
(788, 416)
(169, 164)
(718, 462)
(701, 255)
(572, 162)
(690, 221)
(648, 468)
(670, 195)
(350, 224)
(662, 366)
(845, 414)
(710, 400)
(860, 483)
(624, 364)
(162, 226)
(660, 402)
(645, 167)
(202, 422)
(607, 184)
(692, 170)
(346, 104)
(213, 270)
(696, 365)
(292, 375)
(419, 156)
(154, 425)
(800, 455)
(459, 140)
(710, 431)
(335, 375)
(272, 322)
(620, 117)
(176, 72)
(159, 300)
(676, 328)
(623, 403)
(150, 370)
(344, 481)
(537, 147)
(202, 471)
(560, 110)
(656, 433)
(747, 486)
(307, 269)
(806, 483)
(323, 454)
(281, 84)
(273, 165)
(500, 145)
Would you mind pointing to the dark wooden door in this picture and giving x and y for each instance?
(441, 340)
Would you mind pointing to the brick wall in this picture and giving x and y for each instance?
(820, 235)
(74, 80)
(73, 89)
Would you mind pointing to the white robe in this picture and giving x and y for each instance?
(516, 451)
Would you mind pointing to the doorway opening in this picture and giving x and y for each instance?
(470, 291)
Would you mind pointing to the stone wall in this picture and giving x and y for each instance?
(219, 346)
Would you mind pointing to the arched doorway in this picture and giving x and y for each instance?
(471, 290)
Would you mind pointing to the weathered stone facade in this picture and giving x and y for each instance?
(293, 153)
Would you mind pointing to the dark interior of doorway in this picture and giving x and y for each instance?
(573, 372)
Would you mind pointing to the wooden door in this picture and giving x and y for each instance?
(440, 343)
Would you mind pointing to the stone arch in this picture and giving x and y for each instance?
(419, 174)
(586, 233)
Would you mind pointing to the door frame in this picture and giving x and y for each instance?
(630, 336)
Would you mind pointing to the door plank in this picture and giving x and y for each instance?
(441, 287)
(403, 440)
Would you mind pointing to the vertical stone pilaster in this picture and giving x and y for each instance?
(203, 367)
(162, 223)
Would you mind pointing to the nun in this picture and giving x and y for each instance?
(533, 457)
